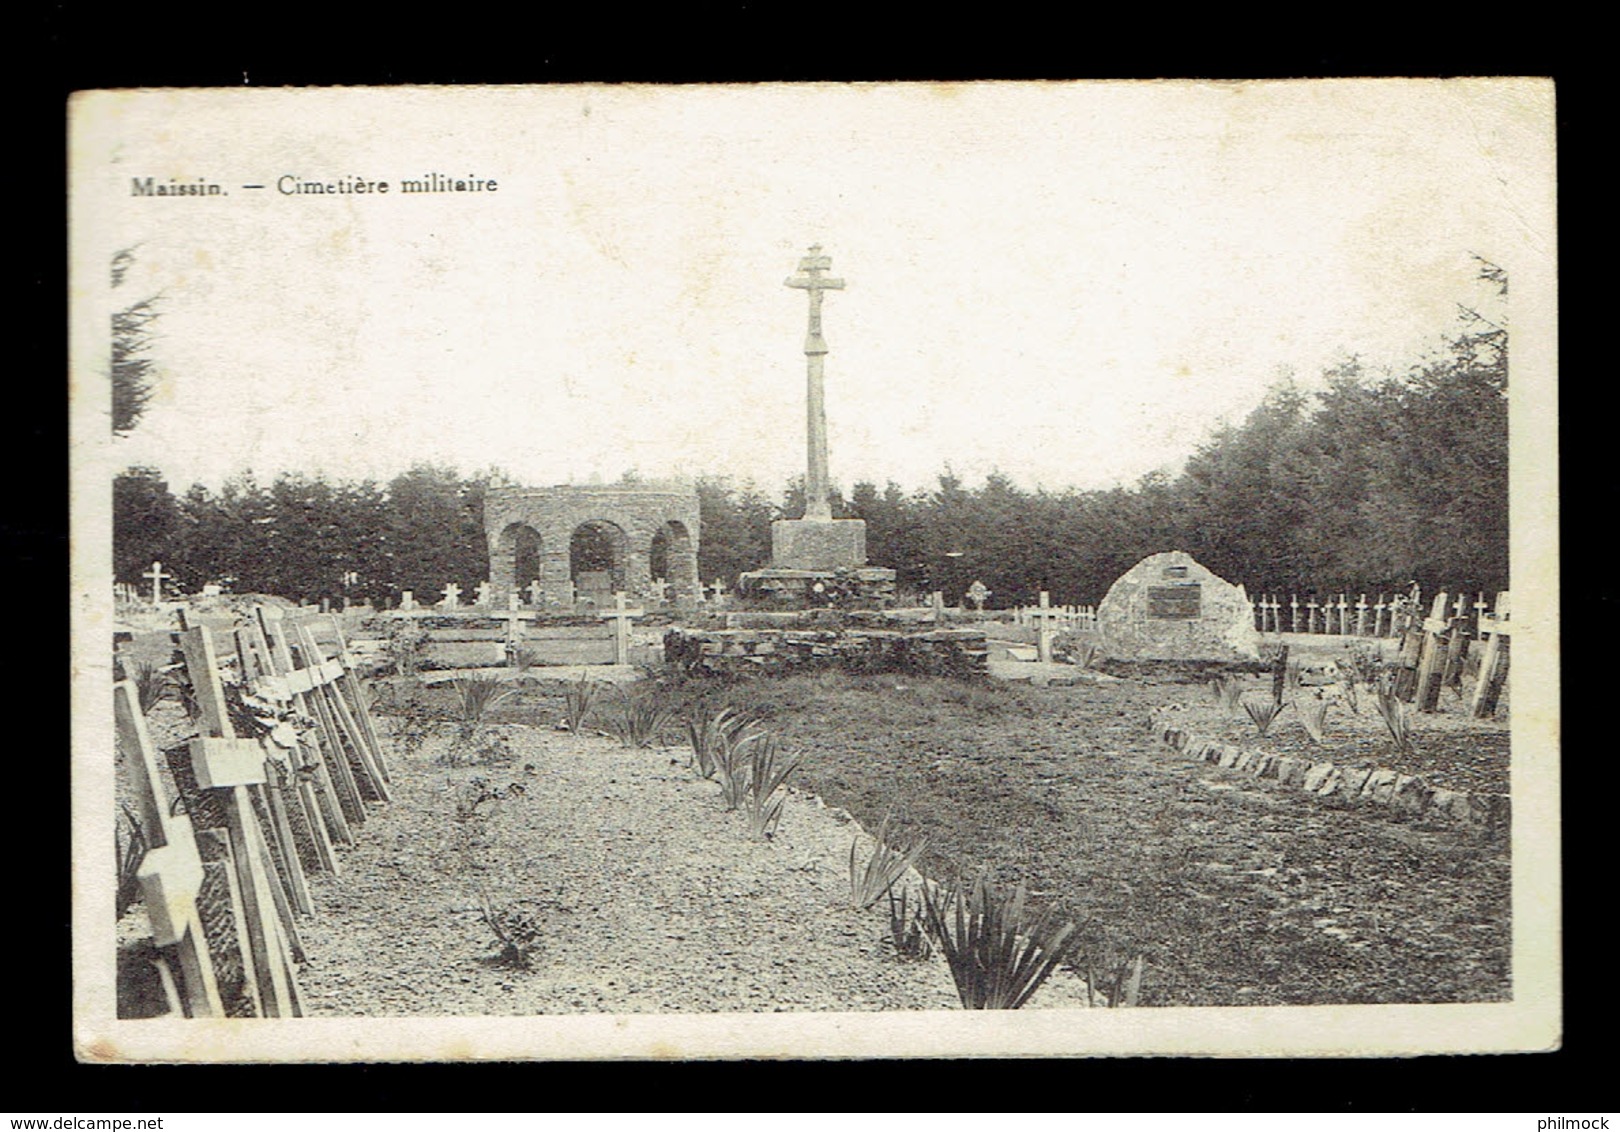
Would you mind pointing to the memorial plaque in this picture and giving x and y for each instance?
(1175, 603)
(1175, 571)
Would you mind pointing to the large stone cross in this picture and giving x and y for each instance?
(157, 575)
(811, 278)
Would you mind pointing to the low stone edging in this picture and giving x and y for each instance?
(1380, 786)
(940, 652)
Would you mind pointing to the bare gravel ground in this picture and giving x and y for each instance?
(652, 898)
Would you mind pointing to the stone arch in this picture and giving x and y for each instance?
(672, 556)
(516, 559)
(638, 514)
(599, 547)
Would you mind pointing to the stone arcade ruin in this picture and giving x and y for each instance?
(1168, 607)
(567, 542)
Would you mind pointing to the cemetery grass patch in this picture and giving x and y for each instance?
(1236, 893)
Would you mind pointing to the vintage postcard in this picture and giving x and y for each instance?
(815, 571)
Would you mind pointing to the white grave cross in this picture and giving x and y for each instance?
(452, 596)
(1045, 615)
(976, 593)
(484, 590)
(157, 575)
(534, 592)
(621, 616)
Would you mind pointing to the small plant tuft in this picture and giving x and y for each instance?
(1227, 691)
(768, 773)
(907, 933)
(640, 718)
(579, 701)
(1123, 989)
(887, 864)
(709, 730)
(517, 930)
(130, 855)
(997, 955)
(1263, 713)
(151, 684)
(477, 695)
(1397, 717)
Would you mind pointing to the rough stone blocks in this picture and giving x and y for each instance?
(1321, 778)
(1355, 777)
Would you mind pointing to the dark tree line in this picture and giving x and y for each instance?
(1366, 485)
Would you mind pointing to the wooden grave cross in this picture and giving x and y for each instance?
(534, 592)
(621, 615)
(171, 871)
(1379, 608)
(334, 683)
(349, 683)
(294, 827)
(1344, 621)
(1044, 613)
(1310, 604)
(1361, 616)
(1435, 627)
(660, 590)
(230, 766)
(157, 575)
(452, 596)
(484, 590)
(1493, 661)
(1293, 604)
(514, 618)
(334, 792)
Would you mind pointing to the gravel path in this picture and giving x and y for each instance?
(651, 898)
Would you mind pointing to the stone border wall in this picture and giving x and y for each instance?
(1379, 786)
(960, 653)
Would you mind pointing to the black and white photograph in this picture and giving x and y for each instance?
(821, 570)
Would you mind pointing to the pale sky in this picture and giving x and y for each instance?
(1072, 283)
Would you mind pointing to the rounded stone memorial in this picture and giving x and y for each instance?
(1168, 607)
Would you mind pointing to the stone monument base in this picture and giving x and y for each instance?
(866, 585)
(818, 544)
